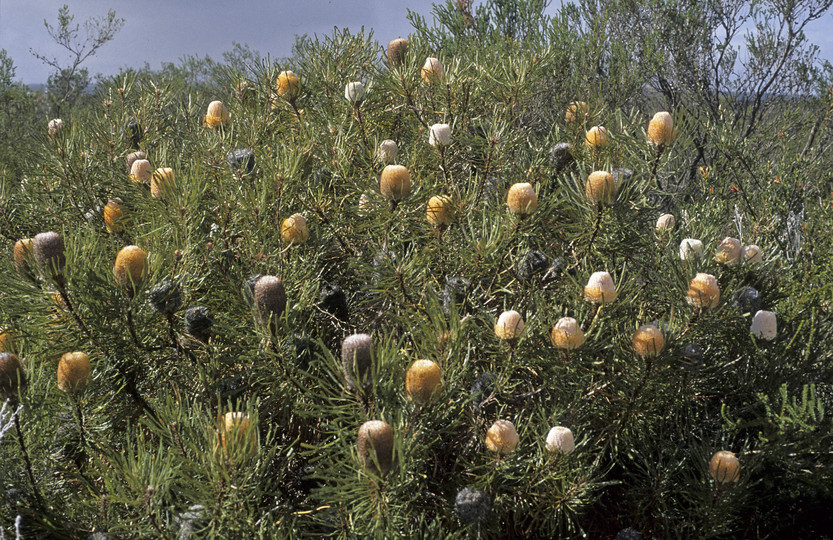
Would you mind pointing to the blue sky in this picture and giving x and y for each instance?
(164, 30)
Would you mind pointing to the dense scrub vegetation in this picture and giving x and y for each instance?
(221, 403)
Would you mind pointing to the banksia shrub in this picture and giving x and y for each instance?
(115, 214)
(12, 377)
(162, 183)
(395, 183)
(509, 326)
(217, 115)
(269, 299)
(661, 129)
(48, 249)
(422, 381)
(600, 188)
(357, 361)
(432, 71)
(396, 51)
(567, 334)
(522, 199)
(560, 440)
(131, 268)
(440, 211)
(502, 438)
(703, 291)
(74, 372)
(375, 446)
(648, 341)
(600, 289)
(596, 138)
(294, 229)
(724, 468)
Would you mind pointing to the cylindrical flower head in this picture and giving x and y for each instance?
(600, 289)
(289, 85)
(472, 505)
(567, 334)
(691, 248)
(439, 135)
(576, 112)
(141, 171)
(502, 437)
(294, 229)
(422, 380)
(509, 325)
(600, 187)
(724, 467)
(55, 126)
(396, 51)
(162, 183)
(661, 129)
(560, 439)
(6, 342)
(666, 222)
(357, 360)
(269, 298)
(133, 157)
(728, 252)
(114, 215)
(596, 138)
(751, 254)
(12, 377)
(48, 249)
(764, 325)
(703, 291)
(648, 341)
(522, 199)
(432, 70)
(23, 250)
(375, 445)
(236, 429)
(217, 115)
(387, 151)
(440, 210)
(131, 267)
(74, 372)
(354, 92)
(395, 183)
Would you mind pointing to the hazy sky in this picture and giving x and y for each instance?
(164, 30)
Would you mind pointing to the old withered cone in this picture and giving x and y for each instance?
(375, 445)
(270, 299)
(357, 361)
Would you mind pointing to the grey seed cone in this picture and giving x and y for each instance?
(48, 249)
(165, 297)
(270, 298)
(198, 322)
(357, 359)
(472, 505)
(376, 436)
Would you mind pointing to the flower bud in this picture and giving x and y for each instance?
(354, 92)
(600, 289)
(48, 249)
(661, 129)
(141, 171)
(12, 377)
(289, 85)
(648, 341)
(560, 439)
(509, 325)
(387, 151)
(217, 115)
(74, 372)
(751, 254)
(690, 248)
(422, 380)
(600, 187)
(472, 505)
(396, 51)
(666, 222)
(133, 157)
(236, 430)
(728, 252)
(724, 467)
(357, 361)
(375, 446)
(522, 199)
(131, 268)
(577, 111)
(439, 135)
(502, 437)
(432, 71)
(703, 291)
(596, 138)
(269, 299)
(567, 334)
(764, 325)
(440, 210)
(55, 126)
(114, 215)
(395, 183)
(294, 229)
(23, 251)
(162, 183)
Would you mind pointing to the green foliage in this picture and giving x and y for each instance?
(148, 451)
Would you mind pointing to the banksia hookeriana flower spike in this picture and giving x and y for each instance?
(294, 229)
(724, 467)
(395, 183)
(440, 211)
(432, 71)
(703, 291)
(567, 334)
(439, 135)
(133, 157)
(751, 254)
(396, 51)
(387, 151)
(357, 361)
(666, 222)
(764, 325)
(509, 325)
(131, 268)
(115, 214)
(596, 138)
(23, 253)
(600, 289)
(162, 183)
(577, 111)
(354, 92)
(288, 86)
(48, 249)
(74, 372)
(6, 342)
(422, 381)
(690, 248)
(661, 129)
(237, 430)
(12, 377)
(269, 299)
(141, 171)
(375, 446)
(728, 252)
(560, 440)
(648, 341)
(502, 437)
(217, 115)
(55, 126)
(600, 188)
(522, 199)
